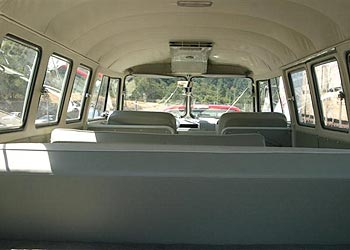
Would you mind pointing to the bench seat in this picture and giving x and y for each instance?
(174, 194)
(72, 135)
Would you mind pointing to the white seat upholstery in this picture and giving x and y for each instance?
(142, 121)
(273, 126)
(73, 135)
(150, 129)
(251, 119)
(177, 194)
(274, 136)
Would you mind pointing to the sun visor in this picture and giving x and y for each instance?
(189, 57)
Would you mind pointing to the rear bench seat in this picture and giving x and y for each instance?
(174, 194)
(72, 135)
(273, 126)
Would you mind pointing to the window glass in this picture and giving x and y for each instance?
(275, 92)
(155, 93)
(98, 98)
(214, 96)
(77, 98)
(94, 96)
(54, 84)
(17, 66)
(302, 97)
(211, 96)
(264, 96)
(279, 97)
(113, 94)
(331, 95)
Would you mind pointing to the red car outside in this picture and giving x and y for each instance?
(203, 110)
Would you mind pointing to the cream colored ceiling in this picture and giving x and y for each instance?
(261, 35)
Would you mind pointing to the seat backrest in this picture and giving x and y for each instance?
(141, 120)
(178, 194)
(60, 135)
(251, 119)
(274, 136)
(273, 126)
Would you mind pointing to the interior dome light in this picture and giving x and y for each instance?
(194, 3)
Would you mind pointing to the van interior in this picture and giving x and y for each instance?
(166, 124)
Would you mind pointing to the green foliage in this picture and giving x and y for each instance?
(149, 89)
(225, 91)
(16, 63)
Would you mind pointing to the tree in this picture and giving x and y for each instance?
(16, 66)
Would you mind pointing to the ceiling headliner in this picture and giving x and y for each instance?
(259, 35)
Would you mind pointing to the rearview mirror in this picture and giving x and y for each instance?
(182, 84)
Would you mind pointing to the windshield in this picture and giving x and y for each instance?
(214, 96)
(155, 93)
(211, 96)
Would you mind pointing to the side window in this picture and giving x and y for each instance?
(18, 63)
(304, 108)
(94, 96)
(57, 74)
(279, 97)
(77, 98)
(276, 98)
(98, 98)
(264, 96)
(113, 94)
(331, 95)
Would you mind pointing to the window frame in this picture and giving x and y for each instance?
(123, 86)
(29, 96)
(318, 96)
(269, 84)
(82, 107)
(98, 95)
(64, 90)
(252, 86)
(268, 81)
(119, 90)
(271, 94)
(347, 61)
(290, 81)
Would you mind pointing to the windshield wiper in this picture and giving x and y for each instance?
(239, 97)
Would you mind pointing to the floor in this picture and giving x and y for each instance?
(24, 245)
